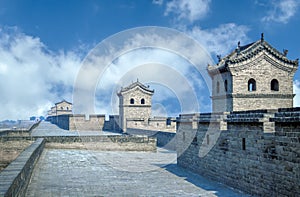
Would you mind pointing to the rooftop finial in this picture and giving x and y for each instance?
(238, 49)
(137, 79)
(285, 52)
(219, 57)
(262, 37)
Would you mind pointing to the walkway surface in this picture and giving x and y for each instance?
(48, 129)
(62, 172)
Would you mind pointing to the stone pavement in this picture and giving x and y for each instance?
(62, 172)
(48, 129)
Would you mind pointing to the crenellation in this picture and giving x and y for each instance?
(245, 155)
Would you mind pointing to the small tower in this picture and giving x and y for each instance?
(254, 76)
(134, 102)
(62, 108)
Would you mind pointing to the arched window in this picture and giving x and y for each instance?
(251, 85)
(142, 101)
(274, 85)
(67, 108)
(61, 108)
(225, 85)
(218, 87)
(131, 101)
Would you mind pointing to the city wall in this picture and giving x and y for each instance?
(166, 140)
(15, 177)
(79, 122)
(255, 151)
(101, 142)
(152, 124)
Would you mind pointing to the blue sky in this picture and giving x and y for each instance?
(43, 44)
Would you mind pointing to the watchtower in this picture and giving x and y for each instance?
(254, 76)
(134, 103)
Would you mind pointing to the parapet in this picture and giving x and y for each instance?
(267, 118)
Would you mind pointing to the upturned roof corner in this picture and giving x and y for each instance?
(247, 52)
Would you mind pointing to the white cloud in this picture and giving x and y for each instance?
(281, 11)
(158, 2)
(222, 39)
(153, 55)
(190, 10)
(32, 78)
(296, 87)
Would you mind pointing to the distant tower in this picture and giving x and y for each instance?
(134, 102)
(254, 76)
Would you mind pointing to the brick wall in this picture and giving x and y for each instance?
(255, 151)
(79, 122)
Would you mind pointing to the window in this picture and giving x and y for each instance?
(61, 108)
(274, 85)
(244, 144)
(218, 87)
(131, 101)
(142, 101)
(67, 108)
(226, 85)
(251, 85)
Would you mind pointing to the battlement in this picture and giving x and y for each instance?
(79, 122)
(257, 151)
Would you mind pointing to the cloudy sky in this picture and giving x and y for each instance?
(46, 48)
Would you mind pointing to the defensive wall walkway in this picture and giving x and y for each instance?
(90, 172)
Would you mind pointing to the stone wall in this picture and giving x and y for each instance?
(79, 122)
(15, 177)
(112, 124)
(154, 124)
(166, 140)
(102, 142)
(255, 151)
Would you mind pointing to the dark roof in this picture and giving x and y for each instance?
(63, 102)
(136, 84)
(244, 53)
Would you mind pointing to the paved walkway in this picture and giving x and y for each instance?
(48, 129)
(93, 173)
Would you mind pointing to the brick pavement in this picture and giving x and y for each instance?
(62, 172)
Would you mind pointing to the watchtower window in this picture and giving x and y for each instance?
(226, 85)
(251, 85)
(131, 101)
(218, 87)
(274, 85)
(142, 101)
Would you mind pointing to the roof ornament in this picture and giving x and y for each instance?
(219, 57)
(285, 52)
(262, 37)
(238, 49)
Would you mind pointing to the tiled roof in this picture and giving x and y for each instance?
(244, 53)
(136, 84)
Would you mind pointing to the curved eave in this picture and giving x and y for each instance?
(213, 70)
(146, 91)
(258, 47)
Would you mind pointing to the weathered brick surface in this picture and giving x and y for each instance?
(79, 122)
(265, 164)
(257, 64)
(15, 178)
(166, 140)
